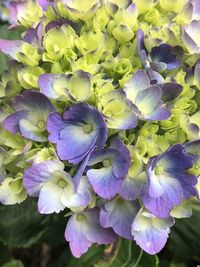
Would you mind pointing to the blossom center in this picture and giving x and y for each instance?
(159, 170)
(80, 217)
(41, 124)
(106, 163)
(88, 128)
(62, 183)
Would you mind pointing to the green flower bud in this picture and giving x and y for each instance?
(123, 66)
(171, 5)
(56, 42)
(127, 16)
(28, 76)
(29, 14)
(122, 33)
(144, 5)
(29, 55)
(9, 85)
(12, 191)
(152, 16)
(100, 20)
(127, 50)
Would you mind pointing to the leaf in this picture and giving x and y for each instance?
(184, 242)
(4, 254)
(88, 259)
(21, 225)
(128, 254)
(13, 263)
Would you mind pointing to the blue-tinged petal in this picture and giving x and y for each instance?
(55, 124)
(30, 118)
(141, 47)
(11, 123)
(165, 54)
(33, 101)
(117, 110)
(191, 37)
(160, 113)
(83, 229)
(138, 82)
(147, 100)
(104, 182)
(171, 196)
(47, 82)
(169, 181)
(119, 214)
(31, 131)
(70, 138)
(38, 174)
(80, 198)
(151, 233)
(49, 199)
(132, 187)
(193, 148)
(107, 179)
(170, 91)
(11, 47)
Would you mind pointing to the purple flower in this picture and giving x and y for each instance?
(108, 168)
(164, 57)
(32, 109)
(77, 132)
(72, 87)
(149, 232)
(83, 229)
(119, 214)
(55, 187)
(161, 58)
(146, 97)
(169, 181)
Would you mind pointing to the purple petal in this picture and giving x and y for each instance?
(11, 123)
(11, 47)
(151, 233)
(107, 181)
(55, 124)
(119, 215)
(34, 101)
(39, 173)
(49, 199)
(83, 229)
(170, 91)
(44, 4)
(160, 113)
(132, 187)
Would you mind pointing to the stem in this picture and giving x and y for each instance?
(138, 259)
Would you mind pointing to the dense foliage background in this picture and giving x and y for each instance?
(30, 239)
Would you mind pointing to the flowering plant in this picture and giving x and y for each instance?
(100, 116)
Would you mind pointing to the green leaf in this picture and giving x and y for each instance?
(21, 225)
(4, 254)
(128, 254)
(13, 263)
(184, 242)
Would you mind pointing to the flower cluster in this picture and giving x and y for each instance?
(100, 116)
